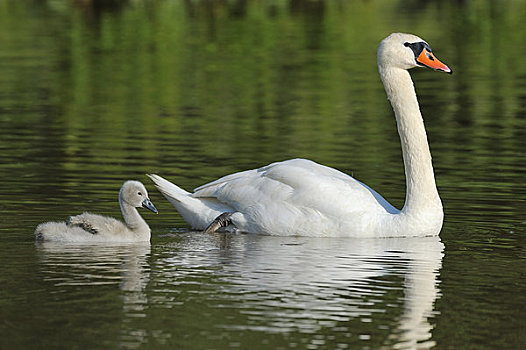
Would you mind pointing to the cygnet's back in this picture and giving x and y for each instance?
(88, 227)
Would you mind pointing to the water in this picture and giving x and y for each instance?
(92, 94)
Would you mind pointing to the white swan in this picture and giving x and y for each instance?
(88, 227)
(300, 197)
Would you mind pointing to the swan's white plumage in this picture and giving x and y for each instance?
(88, 227)
(301, 197)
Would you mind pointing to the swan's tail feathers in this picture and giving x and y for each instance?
(168, 189)
(191, 209)
(198, 212)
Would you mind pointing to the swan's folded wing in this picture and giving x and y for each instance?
(294, 183)
(210, 187)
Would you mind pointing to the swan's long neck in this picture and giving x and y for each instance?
(132, 218)
(421, 193)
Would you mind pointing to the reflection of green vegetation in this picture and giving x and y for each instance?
(197, 89)
(211, 77)
(232, 85)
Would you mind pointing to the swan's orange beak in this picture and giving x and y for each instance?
(427, 59)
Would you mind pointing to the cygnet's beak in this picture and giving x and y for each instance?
(149, 205)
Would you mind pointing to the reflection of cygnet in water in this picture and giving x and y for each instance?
(125, 266)
(135, 269)
(71, 264)
(88, 227)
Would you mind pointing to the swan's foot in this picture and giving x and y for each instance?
(222, 220)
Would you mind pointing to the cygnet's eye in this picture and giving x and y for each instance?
(139, 193)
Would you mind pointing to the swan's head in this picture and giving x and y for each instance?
(407, 51)
(134, 193)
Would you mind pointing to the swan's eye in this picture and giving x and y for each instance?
(406, 44)
(139, 193)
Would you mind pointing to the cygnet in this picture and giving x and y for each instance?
(88, 227)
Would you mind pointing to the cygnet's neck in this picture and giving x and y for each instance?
(132, 218)
(421, 193)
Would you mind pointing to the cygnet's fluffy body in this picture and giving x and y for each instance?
(88, 227)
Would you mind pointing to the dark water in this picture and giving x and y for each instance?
(93, 93)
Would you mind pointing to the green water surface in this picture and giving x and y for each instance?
(93, 93)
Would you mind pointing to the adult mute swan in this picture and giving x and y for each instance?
(301, 197)
(88, 227)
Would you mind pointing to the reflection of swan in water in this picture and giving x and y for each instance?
(125, 265)
(380, 292)
(310, 285)
(421, 291)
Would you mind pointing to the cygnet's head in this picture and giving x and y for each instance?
(407, 51)
(134, 193)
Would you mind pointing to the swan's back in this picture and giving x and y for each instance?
(293, 180)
